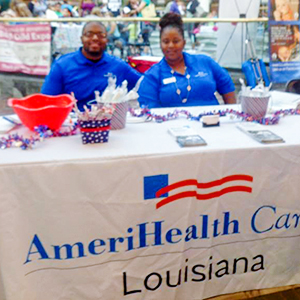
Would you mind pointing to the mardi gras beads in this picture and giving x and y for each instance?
(42, 132)
(272, 120)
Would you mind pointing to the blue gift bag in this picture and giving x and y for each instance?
(255, 71)
(254, 68)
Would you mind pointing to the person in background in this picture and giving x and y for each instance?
(57, 9)
(174, 7)
(168, 7)
(125, 13)
(103, 6)
(114, 7)
(132, 5)
(4, 5)
(213, 15)
(129, 32)
(111, 28)
(67, 11)
(133, 33)
(146, 27)
(95, 13)
(182, 8)
(194, 10)
(50, 11)
(182, 79)
(130, 27)
(140, 7)
(113, 35)
(18, 9)
(38, 8)
(85, 7)
(87, 70)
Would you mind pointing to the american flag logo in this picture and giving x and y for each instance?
(158, 187)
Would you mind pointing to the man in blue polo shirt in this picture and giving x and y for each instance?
(87, 70)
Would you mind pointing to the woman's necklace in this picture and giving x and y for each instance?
(178, 91)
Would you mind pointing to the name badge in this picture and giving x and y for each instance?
(169, 80)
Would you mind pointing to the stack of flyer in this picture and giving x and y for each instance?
(259, 133)
(186, 136)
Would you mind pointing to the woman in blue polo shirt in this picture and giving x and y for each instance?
(182, 79)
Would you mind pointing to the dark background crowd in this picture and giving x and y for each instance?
(120, 33)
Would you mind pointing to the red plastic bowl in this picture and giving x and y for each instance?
(39, 109)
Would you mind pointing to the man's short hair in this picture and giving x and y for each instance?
(90, 22)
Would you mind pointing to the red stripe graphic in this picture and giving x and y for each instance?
(203, 196)
(200, 185)
(208, 196)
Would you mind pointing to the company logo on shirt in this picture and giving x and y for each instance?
(158, 187)
(201, 74)
(110, 75)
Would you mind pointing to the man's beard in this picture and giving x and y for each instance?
(97, 53)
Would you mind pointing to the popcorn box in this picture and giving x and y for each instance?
(118, 120)
(255, 106)
(93, 132)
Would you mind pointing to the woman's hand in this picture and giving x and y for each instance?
(141, 6)
(132, 12)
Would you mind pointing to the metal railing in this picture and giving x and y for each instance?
(133, 19)
(211, 49)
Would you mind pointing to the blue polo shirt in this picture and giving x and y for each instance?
(158, 88)
(73, 72)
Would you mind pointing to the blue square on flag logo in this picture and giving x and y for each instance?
(152, 184)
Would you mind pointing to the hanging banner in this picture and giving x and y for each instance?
(25, 48)
(284, 40)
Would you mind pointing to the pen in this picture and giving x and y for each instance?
(11, 120)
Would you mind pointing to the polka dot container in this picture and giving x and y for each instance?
(93, 132)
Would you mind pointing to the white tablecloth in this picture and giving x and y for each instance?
(151, 138)
(142, 218)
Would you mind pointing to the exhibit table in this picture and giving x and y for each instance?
(140, 217)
